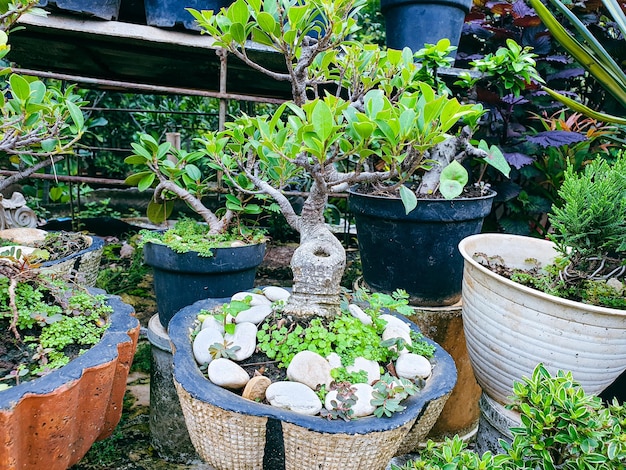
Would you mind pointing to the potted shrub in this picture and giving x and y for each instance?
(562, 301)
(66, 355)
(561, 427)
(193, 261)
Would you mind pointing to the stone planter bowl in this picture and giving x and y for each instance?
(232, 433)
(51, 422)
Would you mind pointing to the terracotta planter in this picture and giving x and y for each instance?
(511, 328)
(232, 433)
(51, 422)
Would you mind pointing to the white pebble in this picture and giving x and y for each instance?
(357, 312)
(395, 321)
(310, 369)
(363, 406)
(245, 338)
(257, 299)
(413, 366)
(293, 396)
(203, 341)
(255, 314)
(274, 293)
(227, 374)
(212, 323)
(371, 367)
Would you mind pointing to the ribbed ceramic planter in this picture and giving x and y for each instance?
(232, 433)
(51, 422)
(417, 251)
(181, 279)
(511, 328)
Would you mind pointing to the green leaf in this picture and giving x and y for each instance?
(266, 22)
(134, 179)
(76, 114)
(193, 172)
(56, 193)
(49, 145)
(322, 118)
(238, 32)
(146, 182)
(158, 213)
(20, 87)
(495, 158)
(453, 179)
(409, 199)
(238, 12)
(135, 160)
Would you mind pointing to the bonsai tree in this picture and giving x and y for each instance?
(359, 115)
(39, 123)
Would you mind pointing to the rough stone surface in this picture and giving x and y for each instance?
(255, 314)
(245, 338)
(371, 367)
(26, 236)
(309, 368)
(274, 293)
(293, 396)
(203, 341)
(362, 407)
(256, 387)
(227, 374)
(413, 366)
(358, 313)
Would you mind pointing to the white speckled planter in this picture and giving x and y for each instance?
(510, 328)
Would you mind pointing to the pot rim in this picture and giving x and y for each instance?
(189, 376)
(353, 191)
(516, 240)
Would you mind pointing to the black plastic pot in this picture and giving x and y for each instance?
(416, 252)
(169, 13)
(104, 9)
(412, 23)
(222, 424)
(181, 279)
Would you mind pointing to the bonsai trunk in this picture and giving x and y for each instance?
(317, 264)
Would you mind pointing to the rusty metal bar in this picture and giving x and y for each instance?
(156, 89)
(68, 178)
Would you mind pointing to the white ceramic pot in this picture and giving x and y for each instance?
(510, 328)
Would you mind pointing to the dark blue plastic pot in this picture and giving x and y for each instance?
(413, 23)
(104, 9)
(170, 13)
(225, 427)
(416, 252)
(181, 279)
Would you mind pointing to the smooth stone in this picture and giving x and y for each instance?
(371, 367)
(274, 293)
(227, 374)
(413, 366)
(23, 235)
(203, 341)
(395, 321)
(334, 360)
(293, 396)
(357, 312)
(362, 407)
(395, 332)
(255, 314)
(256, 387)
(309, 368)
(237, 244)
(257, 299)
(244, 337)
(212, 323)
(615, 284)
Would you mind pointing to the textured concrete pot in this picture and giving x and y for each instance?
(232, 433)
(511, 328)
(51, 422)
(181, 279)
(417, 251)
(83, 265)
